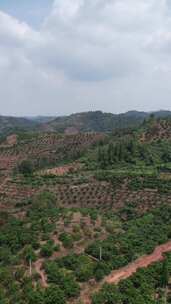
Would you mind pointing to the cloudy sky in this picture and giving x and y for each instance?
(64, 56)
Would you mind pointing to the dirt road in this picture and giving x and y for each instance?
(123, 273)
(143, 262)
(38, 267)
(116, 276)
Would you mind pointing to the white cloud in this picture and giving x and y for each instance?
(100, 54)
(67, 9)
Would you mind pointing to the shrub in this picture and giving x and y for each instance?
(47, 249)
(43, 201)
(25, 168)
(66, 240)
(29, 254)
(64, 279)
(54, 295)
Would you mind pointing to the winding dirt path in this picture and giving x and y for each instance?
(125, 272)
(38, 267)
(115, 276)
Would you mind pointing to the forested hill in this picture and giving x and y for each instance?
(10, 124)
(98, 121)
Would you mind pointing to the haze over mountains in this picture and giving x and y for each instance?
(97, 121)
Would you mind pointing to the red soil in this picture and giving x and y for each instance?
(47, 145)
(62, 170)
(12, 140)
(116, 276)
(71, 131)
(40, 271)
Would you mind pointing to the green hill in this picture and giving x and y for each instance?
(93, 121)
(13, 124)
(100, 122)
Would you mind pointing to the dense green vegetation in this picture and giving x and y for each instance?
(138, 237)
(129, 152)
(157, 183)
(20, 243)
(146, 286)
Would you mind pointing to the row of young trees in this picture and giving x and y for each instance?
(121, 152)
(131, 151)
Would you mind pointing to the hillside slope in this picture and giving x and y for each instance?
(96, 121)
(78, 211)
(13, 124)
(99, 122)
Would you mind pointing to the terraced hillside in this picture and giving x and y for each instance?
(157, 130)
(80, 213)
(46, 149)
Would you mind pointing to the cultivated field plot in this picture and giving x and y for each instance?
(48, 148)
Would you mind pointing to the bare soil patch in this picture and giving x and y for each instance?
(125, 272)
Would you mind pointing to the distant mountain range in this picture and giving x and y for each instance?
(10, 124)
(99, 122)
(96, 121)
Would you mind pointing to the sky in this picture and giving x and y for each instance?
(64, 56)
